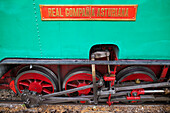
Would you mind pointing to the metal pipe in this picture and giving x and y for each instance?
(154, 91)
(94, 79)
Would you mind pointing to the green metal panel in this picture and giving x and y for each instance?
(24, 35)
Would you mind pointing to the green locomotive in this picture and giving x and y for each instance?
(85, 49)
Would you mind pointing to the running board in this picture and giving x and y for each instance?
(83, 62)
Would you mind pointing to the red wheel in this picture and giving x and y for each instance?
(133, 73)
(79, 78)
(36, 80)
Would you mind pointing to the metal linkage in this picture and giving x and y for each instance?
(152, 85)
(98, 54)
(66, 99)
(32, 99)
(68, 91)
(142, 98)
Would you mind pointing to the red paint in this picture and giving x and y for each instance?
(88, 12)
(79, 80)
(164, 72)
(12, 86)
(138, 92)
(109, 78)
(4, 86)
(140, 76)
(83, 102)
(133, 98)
(85, 91)
(109, 102)
(35, 82)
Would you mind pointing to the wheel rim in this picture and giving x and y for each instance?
(140, 76)
(143, 77)
(35, 81)
(130, 74)
(79, 79)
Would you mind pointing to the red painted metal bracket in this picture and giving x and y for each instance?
(12, 86)
(135, 94)
(163, 74)
(112, 79)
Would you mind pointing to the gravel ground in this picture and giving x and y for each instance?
(72, 108)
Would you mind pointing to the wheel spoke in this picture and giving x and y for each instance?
(73, 85)
(35, 81)
(46, 91)
(46, 85)
(40, 82)
(29, 80)
(90, 82)
(24, 83)
(78, 81)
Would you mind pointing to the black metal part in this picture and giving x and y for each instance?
(142, 98)
(68, 91)
(4, 69)
(84, 62)
(104, 94)
(59, 74)
(65, 99)
(152, 85)
(94, 79)
(31, 99)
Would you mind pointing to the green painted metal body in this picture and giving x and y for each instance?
(24, 35)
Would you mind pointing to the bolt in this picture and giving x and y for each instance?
(134, 94)
(137, 81)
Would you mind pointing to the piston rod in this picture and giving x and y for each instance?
(153, 85)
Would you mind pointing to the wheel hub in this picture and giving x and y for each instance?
(35, 87)
(85, 91)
